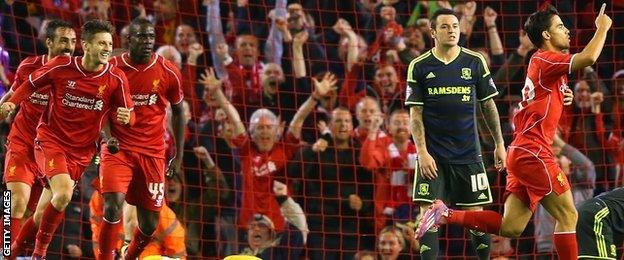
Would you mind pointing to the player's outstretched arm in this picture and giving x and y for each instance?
(321, 89)
(213, 86)
(592, 50)
(490, 113)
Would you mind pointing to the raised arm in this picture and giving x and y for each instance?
(489, 17)
(213, 86)
(298, 61)
(321, 89)
(592, 50)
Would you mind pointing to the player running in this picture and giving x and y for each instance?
(137, 172)
(83, 90)
(21, 171)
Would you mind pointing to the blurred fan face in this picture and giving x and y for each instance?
(93, 9)
(247, 50)
(165, 9)
(388, 13)
(99, 49)
(174, 190)
(272, 76)
(386, 79)
(341, 125)
(64, 42)
(582, 94)
(265, 134)
(559, 34)
(185, 36)
(389, 246)
(142, 38)
(446, 32)
(414, 39)
(295, 18)
(399, 126)
(258, 235)
(364, 112)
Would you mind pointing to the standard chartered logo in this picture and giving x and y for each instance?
(81, 102)
(144, 99)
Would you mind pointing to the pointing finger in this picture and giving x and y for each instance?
(602, 9)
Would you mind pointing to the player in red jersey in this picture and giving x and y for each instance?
(137, 172)
(83, 90)
(533, 174)
(21, 171)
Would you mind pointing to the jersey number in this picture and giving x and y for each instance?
(157, 190)
(479, 182)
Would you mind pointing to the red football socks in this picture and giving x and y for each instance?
(485, 220)
(49, 222)
(16, 225)
(108, 239)
(137, 245)
(565, 243)
(25, 237)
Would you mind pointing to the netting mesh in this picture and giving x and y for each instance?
(346, 193)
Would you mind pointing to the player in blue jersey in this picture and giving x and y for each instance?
(445, 85)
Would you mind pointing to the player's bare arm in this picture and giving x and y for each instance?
(490, 113)
(426, 162)
(321, 89)
(213, 86)
(177, 121)
(592, 50)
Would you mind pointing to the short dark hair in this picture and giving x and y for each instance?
(55, 24)
(140, 21)
(90, 28)
(442, 11)
(537, 23)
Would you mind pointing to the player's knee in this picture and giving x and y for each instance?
(113, 207)
(568, 218)
(511, 231)
(60, 200)
(18, 206)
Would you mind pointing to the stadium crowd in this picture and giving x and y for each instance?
(296, 140)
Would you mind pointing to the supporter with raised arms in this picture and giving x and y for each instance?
(533, 174)
(83, 91)
(263, 156)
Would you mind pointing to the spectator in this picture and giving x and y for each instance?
(93, 10)
(263, 158)
(391, 162)
(264, 241)
(165, 14)
(123, 41)
(583, 127)
(336, 193)
(366, 111)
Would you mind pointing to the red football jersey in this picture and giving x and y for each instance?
(259, 171)
(24, 127)
(79, 100)
(152, 86)
(542, 98)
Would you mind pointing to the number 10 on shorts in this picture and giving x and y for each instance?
(479, 182)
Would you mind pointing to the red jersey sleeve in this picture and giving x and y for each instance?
(21, 74)
(39, 78)
(175, 91)
(243, 143)
(556, 64)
